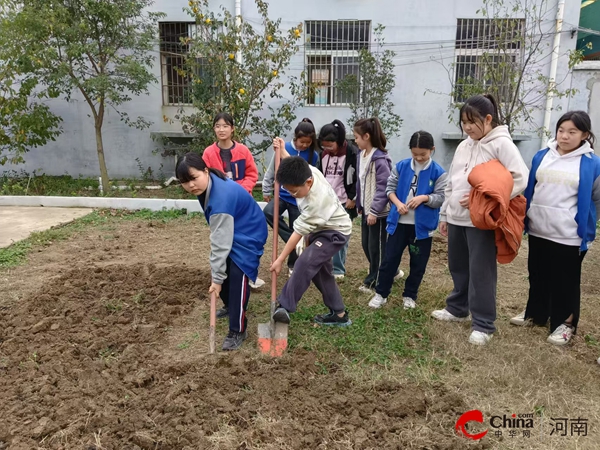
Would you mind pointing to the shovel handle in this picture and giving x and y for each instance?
(275, 238)
(213, 322)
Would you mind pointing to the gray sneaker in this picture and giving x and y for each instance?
(234, 340)
(222, 312)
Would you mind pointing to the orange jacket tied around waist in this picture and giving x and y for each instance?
(491, 207)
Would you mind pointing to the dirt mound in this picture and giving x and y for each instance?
(82, 366)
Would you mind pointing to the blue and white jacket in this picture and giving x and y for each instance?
(238, 228)
(269, 178)
(432, 182)
(563, 196)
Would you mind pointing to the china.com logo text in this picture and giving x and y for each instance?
(514, 421)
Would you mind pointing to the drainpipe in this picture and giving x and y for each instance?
(560, 11)
(238, 23)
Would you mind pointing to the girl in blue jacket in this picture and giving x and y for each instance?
(563, 200)
(238, 233)
(416, 190)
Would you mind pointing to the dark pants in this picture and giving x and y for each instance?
(374, 238)
(235, 294)
(314, 264)
(285, 230)
(554, 282)
(418, 250)
(472, 264)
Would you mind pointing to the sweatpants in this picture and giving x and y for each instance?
(285, 230)
(472, 264)
(374, 238)
(418, 250)
(314, 264)
(235, 294)
(554, 282)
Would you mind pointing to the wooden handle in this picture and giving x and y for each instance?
(213, 322)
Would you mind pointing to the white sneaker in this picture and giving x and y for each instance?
(257, 284)
(377, 302)
(290, 272)
(339, 276)
(399, 275)
(479, 338)
(443, 314)
(520, 320)
(409, 303)
(364, 289)
(562, 335)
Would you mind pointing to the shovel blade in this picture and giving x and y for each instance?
(273, 345)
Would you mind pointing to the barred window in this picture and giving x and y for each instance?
(173, 50)
(332, 48)
(483, 45)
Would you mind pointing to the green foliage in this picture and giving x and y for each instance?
(100, 49)
(236, 67)
(513, 66)
(371, 90)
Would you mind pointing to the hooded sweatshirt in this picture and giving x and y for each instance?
(497, 144)
(370, 190)
(321, 209)
(554, 204)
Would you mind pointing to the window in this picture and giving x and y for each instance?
(483, 45)
(332, 48)
(173, 51)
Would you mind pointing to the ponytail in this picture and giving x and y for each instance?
(372, 126)
(478, 107)
(333, 132)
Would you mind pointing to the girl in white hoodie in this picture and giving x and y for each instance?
(471, 251)
(563, 200)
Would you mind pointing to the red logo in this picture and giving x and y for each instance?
(470, 416)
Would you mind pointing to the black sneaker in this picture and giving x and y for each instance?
(332, 319)
(222, 312)
(281, 315)
(234, 340)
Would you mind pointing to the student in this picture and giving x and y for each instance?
(230, 157)
(563, 201)
(238, 233)
(416, 190)
(471, 251)
(373, 166)
(303, 144)
(338, 164)
(325, 227)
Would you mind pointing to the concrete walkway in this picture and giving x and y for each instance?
(18, 222)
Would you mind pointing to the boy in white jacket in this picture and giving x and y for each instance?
(326, 225)
(471, 251)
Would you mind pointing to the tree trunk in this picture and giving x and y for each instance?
(101, 161)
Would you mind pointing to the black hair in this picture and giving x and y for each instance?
(333, 132)
(293, 171)
(193, 161)
(307, 129)
(373, 127)
(226, 117)
(582, 122)
(478, 107)
(421, 139)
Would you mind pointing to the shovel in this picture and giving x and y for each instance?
(272, 336)
(213, 321)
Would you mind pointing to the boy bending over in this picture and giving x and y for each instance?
(325, 226)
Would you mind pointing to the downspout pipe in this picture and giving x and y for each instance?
(238, 23)
(560, 12)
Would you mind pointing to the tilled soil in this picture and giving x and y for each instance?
(84, 365)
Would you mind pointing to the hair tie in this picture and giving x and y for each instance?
(335, 125)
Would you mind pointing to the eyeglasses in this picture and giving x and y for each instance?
(295, 193)
(221, 127)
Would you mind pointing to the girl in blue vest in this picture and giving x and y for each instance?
(563, 200)
(304, 144)
(238, 233)
(416, 190)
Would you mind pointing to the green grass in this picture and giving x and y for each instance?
(105, 220)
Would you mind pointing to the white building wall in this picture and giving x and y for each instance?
(409, 24)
